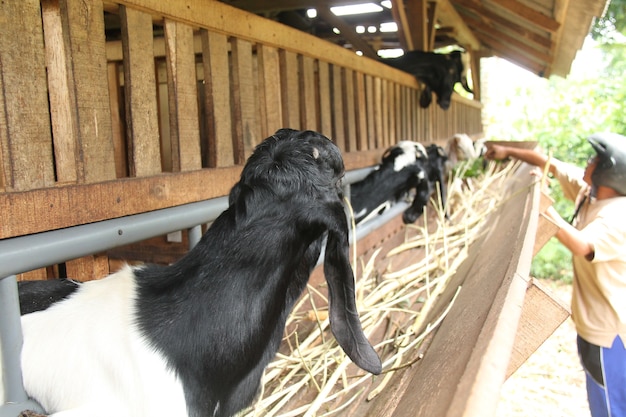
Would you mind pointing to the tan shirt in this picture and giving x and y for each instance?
(599, 288)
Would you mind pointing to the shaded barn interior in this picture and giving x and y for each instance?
(119, 108)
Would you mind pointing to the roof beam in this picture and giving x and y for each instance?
(508, 39)
(533, 17)
(529, 14)
(515, 46)
(487, 17)
(505, 52)
(448, 16)
(416, 11)
(405, 34)
(346, 31)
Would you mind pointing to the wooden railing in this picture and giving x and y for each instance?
(122, 107)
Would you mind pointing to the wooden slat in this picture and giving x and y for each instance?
(217, 103)
(183, 97)
(370, 115)
(338, 109)
(84, 25)
(245, 118)
(323, 94)
(119, 138)
(380, 106)
(270, 90)
(222, 17)
(308, 110)
(291, 89)
(361, 111)
(54, 208)
(62, 115)
(25, 140)
(142, 128)
(350, 110)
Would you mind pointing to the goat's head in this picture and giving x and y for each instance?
(452, 71)
(306, 168)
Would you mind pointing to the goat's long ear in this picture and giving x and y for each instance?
(465, 84)
(344, 319)
(426, 97)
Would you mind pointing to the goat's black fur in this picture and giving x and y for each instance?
(217, 316)
(385, 184)
(438, 72)
(39, 295)
(228, 299)
(434, 169)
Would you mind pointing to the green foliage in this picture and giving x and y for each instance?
(553, 261)
(612, 24)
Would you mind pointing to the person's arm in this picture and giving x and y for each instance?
(529, 156)
(572, 238)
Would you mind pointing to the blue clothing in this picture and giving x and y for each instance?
(605, 369)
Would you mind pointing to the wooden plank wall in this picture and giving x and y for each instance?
(121, 107)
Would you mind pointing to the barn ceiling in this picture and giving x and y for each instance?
(542, 36)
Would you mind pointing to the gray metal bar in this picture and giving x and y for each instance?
(30, 252)
(25, 253)
(194, 235)
(10, 347)
(368, 227)
(11, 337)
(356, 175)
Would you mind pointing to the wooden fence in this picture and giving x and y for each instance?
(122, 107)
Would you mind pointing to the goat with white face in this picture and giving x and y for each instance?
(400, 170)
(193, 338)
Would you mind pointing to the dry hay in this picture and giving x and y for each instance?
(311, 376)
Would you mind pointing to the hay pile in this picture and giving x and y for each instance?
(311, 376)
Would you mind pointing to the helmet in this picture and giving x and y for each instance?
(611, 168)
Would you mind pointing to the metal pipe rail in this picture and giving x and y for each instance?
(25, 253)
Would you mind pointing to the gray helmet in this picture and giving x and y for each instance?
(611, 168)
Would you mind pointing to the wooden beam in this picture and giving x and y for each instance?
(527, 61)
(515, 44)
(433, 11)
(405, 34)
(496, 22)
(448, 16)
(347, 32)
(54, 208)
(417, 16)
(529, 14)
(505, 53)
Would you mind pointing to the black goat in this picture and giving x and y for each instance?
(193, 338)
(438, 72)
(405, 166)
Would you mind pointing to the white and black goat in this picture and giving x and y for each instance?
(193, 338)
(404, 167)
